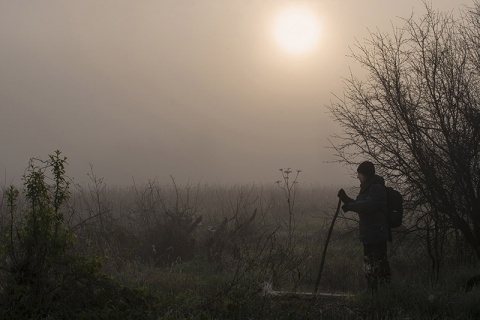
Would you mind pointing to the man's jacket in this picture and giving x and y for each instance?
(371, 206)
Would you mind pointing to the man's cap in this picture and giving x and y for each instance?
(366, 168)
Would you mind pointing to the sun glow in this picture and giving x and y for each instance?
(296, 30)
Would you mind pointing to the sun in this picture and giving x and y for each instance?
(296, 30)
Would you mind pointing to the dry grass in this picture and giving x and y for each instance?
(217, 268)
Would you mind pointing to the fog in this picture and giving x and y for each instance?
(196, 90)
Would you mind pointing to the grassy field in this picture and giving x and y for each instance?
(164, 251)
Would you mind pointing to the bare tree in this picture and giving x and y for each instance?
(416, 113)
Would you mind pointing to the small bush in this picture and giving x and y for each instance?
(43, 275)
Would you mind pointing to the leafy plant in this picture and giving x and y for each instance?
(42, 273)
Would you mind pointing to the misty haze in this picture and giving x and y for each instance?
(273, 159)
(199, 91)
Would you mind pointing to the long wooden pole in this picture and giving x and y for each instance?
(326, 246)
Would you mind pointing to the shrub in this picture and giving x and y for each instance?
(42, 273)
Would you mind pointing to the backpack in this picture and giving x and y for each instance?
(395, 207)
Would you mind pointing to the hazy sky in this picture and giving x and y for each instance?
(194, 89)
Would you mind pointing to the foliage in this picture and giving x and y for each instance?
(35, 250)
(69, 276)
(41, 272)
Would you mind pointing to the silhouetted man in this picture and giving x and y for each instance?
(371, 207)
